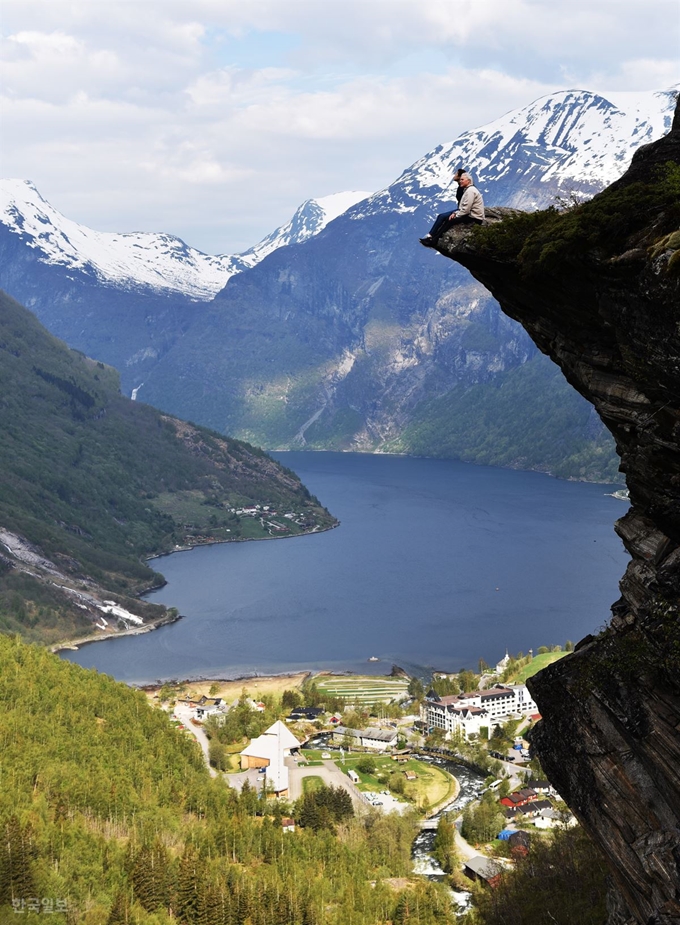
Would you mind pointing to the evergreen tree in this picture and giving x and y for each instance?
(120, 910)
(189, 905)
(248, 800)
(16, 855)
(149, 875)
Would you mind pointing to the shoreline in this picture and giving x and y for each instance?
(467, 462)
(153, 686)
(75, 644)
(236, 539)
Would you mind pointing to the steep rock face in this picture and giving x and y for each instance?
(598, 290)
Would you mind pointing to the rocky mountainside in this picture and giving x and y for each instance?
(355, 338)
(91, 482)
(598, 290)
(124, 298)
(358, 339)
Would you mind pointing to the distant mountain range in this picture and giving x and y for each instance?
(161, 263)
(338, 331)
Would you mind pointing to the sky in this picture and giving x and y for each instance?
(215, 119)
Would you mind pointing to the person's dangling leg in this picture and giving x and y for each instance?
(440, 223)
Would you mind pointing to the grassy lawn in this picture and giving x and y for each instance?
(309, 784)
(537, 663)
(363, 689)
(233, 764)
(311, 754)
(432, 784)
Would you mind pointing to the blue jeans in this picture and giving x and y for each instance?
(442, 222)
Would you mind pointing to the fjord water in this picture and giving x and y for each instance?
(435, 564)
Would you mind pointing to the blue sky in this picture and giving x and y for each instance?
(214, 119)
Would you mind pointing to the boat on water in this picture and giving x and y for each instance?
(373, 658)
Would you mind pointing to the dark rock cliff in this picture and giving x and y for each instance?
(598, 290)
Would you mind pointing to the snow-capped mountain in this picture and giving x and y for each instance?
(568, 142)
(309, 219)
(350, 340)
(160, 262)
(357, 337)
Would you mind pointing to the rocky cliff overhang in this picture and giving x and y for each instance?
(597, 287)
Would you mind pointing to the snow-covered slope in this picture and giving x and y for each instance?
(161, 262)
(309, 219)
(572, 141)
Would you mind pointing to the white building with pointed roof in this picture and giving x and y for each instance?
(269, 751)
(503, 664)
(288, 740)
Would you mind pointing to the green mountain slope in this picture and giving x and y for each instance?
(91, 482)
(556, 432)
(109, 809)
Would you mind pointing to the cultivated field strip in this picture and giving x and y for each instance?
(365, 690)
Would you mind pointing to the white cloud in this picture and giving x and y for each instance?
(215, 118)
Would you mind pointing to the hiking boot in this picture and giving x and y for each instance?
(428, 241)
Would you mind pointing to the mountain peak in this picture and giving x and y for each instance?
(148, 260)
(570, 141)
(309, 219)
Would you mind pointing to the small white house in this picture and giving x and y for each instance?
(549, 818)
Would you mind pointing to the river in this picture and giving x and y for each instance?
(435, 564)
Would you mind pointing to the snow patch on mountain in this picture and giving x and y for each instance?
(571, 140)
(161, 262)
(309, 219)
(138, 259)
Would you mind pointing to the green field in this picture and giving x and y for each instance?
(432, 786)
(311, 754)
(537, 663)
(365, 690)
(310, 784)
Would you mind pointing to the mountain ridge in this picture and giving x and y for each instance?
(358, 328)
(157, 261)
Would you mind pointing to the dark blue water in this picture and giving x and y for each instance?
(435, 564)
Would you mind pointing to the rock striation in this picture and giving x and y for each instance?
(597, 288)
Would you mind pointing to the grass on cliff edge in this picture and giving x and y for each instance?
(544, 240)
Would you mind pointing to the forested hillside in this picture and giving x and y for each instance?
(107, 811)
(91, 482)
(557, 432)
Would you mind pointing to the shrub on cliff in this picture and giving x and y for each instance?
(597, 229)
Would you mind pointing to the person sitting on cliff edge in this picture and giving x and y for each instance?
(470, 211)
